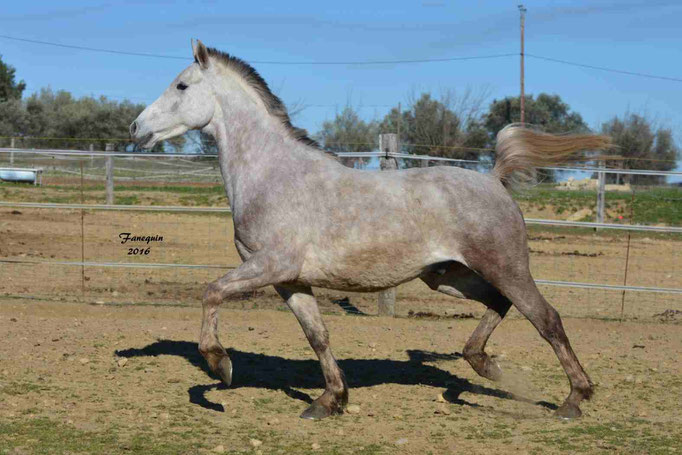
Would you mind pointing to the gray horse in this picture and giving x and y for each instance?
(302, 219)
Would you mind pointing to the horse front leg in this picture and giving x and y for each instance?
(259, 270)
(335, 396)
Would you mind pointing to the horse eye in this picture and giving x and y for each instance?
(181, 86)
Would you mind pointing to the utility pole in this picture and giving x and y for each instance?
(400, 121)
(522, 10)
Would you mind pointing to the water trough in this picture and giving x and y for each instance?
(8, 174)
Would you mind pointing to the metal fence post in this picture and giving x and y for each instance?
(110, 174)
(601, 180)
(388, 143)
(11, 154)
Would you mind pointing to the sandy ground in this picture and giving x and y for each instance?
(104, 360)
(77, 378)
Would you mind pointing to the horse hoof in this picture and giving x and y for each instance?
(316, 412)
(568, 411)
(492, 370)
(224, 370)
(484, 365)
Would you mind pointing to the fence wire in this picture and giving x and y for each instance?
(181, 195)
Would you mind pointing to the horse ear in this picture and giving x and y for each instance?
(200, 53)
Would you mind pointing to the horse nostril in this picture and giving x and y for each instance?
(133, 128)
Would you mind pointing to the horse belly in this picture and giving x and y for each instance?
(364, 269)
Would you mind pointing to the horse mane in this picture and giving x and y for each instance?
(272, 102)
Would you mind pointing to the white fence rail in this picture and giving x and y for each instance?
(176, 208)
(79, 155)
(484, 163)
(144, 265)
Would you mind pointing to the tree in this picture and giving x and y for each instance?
(9, 88)
(12, 117)
(643, 145)
(12, 113)
(548, 112)
(76, 122)
(450, 127)
(71, 122)
(348, 133)
(60, 115)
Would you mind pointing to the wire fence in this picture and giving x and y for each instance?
(60, 237)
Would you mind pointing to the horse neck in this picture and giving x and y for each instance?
(251, 145)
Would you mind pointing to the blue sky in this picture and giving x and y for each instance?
(633, 35)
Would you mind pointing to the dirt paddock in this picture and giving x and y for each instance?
(77, 378)
(104, 360)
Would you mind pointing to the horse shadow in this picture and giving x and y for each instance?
(348, 307)
(278, 373)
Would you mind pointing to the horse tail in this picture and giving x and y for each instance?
(519, 150)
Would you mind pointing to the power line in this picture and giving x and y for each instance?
(601, 68)
(92, 49)
(348, 62)
(261, 62)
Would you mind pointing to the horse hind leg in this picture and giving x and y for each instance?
(526, 297)
(520, 290)
(474, 352)
(457, 280)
